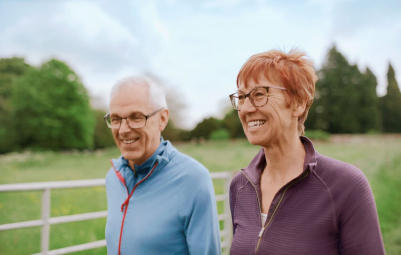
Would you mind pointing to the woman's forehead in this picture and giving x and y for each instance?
(252, 83)
(259, 78)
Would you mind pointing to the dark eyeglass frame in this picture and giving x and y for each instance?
(107, 119)
(235, 96)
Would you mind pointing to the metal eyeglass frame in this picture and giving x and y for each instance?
(108, 121)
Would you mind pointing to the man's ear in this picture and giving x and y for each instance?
(163, 119)
(298, 109)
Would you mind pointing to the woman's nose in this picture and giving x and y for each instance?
(247, 106)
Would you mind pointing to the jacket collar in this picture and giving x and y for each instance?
(162, 155)
(258, 163)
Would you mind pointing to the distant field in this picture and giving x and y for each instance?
(378, 156)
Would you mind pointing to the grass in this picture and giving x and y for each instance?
(386, 186)
(378, 156)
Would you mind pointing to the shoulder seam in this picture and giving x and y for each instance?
(334, 207)
(241, 186)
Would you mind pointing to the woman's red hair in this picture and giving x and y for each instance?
(292, 71)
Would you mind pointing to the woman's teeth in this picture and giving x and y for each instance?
(256, 123)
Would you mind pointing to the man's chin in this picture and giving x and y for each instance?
(130, 155)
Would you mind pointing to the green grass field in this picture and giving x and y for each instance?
(378, 156)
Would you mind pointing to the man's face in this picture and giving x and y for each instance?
(136, 145)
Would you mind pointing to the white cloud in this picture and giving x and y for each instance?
(197, 46)
(79, 32)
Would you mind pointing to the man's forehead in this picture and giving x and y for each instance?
(132, 87)
(130, 98)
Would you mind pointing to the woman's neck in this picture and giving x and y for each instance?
(284, 159)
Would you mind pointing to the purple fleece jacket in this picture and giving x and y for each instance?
(328, 209)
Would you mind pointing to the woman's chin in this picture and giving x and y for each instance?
(258, 139)
(255, 140)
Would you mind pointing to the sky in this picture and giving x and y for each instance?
(196, 47)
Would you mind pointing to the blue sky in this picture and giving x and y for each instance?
(196, 47)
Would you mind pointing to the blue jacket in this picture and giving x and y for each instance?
(172, 208)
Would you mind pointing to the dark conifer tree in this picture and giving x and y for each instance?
(390, 104)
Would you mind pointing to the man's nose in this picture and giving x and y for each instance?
(124, 127)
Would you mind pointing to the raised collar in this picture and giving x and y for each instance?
(258, 163)
(162, 155)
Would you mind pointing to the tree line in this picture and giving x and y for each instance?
(48, 107)
(345, 102)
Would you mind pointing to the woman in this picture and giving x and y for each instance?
(291, 199)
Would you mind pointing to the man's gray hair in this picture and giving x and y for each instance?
(157, 94)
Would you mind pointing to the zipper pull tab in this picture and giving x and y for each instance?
(261, 232)
(123, 205)
(259, 239)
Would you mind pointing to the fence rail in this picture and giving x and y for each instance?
(46, 220)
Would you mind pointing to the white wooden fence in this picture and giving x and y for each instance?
(47, 220)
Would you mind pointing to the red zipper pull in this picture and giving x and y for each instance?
(124, 204)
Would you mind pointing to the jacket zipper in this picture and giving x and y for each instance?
(260, 211)
(262, 230)
(124, 206)
(270, 220)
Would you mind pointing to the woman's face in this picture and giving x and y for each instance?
(266, 124)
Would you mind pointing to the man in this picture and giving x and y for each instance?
(160, 201)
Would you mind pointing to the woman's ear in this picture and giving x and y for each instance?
(163, 119)
(298, 109)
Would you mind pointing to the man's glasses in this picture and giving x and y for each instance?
(134, 120)
(257, 96)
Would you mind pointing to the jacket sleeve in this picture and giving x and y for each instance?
(359, 224)
(202, 226)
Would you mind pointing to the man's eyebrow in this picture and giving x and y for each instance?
(129, 114)
(135, 113)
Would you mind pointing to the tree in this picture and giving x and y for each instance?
(232, 123)
(342, 94)
(172, 133)
(369, 111)
(205, 128)
(51, 108)
(10, 69)
(102, 134)
(390, 104)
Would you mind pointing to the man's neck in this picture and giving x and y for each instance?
(132, 163)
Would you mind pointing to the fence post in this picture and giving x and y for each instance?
(46, 224)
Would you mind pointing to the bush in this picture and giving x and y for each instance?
(220, 134)
(102, 136)
(317, 135)
(171, 132)
(205, 128)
